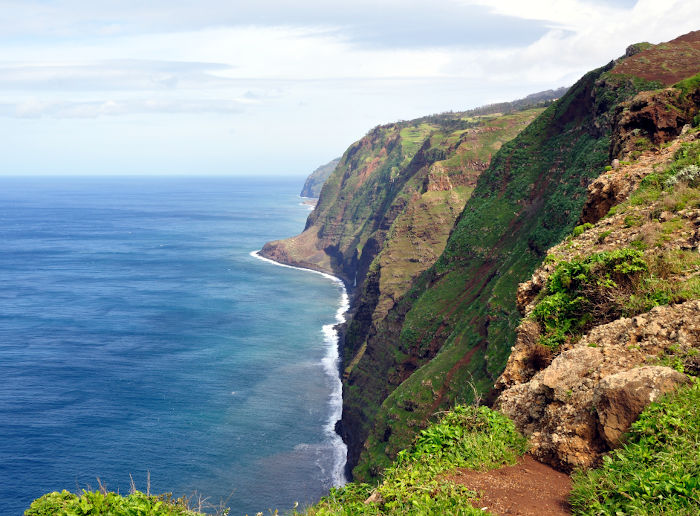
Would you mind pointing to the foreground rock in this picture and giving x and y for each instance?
(620, 398)
(578, 407)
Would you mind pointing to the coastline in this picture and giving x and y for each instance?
(277, 255)
(331, 366)
(309, 202)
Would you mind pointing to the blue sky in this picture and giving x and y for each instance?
(271, 87)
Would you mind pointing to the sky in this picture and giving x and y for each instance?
(267, 87)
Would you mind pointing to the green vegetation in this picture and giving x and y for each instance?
(688, 85)
(579, 230)
(581, 293)
(590, 291)
(674, 186)
(98, 503)
(656, 471)
(457, 324)
(466, 437)
(412, 137)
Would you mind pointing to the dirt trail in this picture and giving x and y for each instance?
(529, 488)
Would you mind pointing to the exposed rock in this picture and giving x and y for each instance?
(375, 497)
(621, 397)
(558, 406)
(438, 180)
(636, 48)
(650, 119)
(528, 290)
(522, 367)
(614, 186)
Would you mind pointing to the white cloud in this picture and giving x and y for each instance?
(312, 76)
(109, 75)
(581, 36)
(34, 108)
(386, 23)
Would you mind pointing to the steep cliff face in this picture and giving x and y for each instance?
(384, 216)
(433, 224)
(410, 180)
(314, 183)
(449, 337)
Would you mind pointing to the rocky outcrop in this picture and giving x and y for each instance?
(577, 407)
(650, 119)
(619, 398)
(615, 185)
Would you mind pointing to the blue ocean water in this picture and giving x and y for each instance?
(139, 336)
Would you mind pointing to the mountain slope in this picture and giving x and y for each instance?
(383, 175)
(447, 340)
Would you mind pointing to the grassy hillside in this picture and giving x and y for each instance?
(448, 338)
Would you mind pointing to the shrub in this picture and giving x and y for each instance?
(689, 175)
(603, 236)
(633, 220)
(578, 230)
(597, 289)
(581, 292)
(96, 503)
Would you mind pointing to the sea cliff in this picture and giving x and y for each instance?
(433, 223)
(568, 298)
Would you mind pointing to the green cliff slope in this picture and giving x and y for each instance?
(420, 172)
(448, 338)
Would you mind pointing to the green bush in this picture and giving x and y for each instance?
(603, 236)
(578, 230)
(96, 503)
(689, 175)
(581, 292)
(657, 471)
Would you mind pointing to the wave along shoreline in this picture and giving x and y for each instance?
(331, 364)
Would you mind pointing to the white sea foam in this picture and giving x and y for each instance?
(330, 364)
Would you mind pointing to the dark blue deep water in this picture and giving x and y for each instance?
(138, 334)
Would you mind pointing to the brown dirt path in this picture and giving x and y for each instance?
(529, 488)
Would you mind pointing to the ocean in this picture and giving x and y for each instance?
(140, 339)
